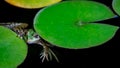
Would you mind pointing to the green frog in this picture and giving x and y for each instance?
(31, 37)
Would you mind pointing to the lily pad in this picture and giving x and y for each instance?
(116, 6)
(30, 4)
(71, 24)
(13, 50)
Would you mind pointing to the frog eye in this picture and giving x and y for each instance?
(36, 36)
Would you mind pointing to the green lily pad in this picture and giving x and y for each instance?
(116, 6)
(13, 50)
(31, 4)
(69, 24)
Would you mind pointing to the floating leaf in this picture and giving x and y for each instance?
(69, 24)
(30, 4)
(116, 6)
(13, 50)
